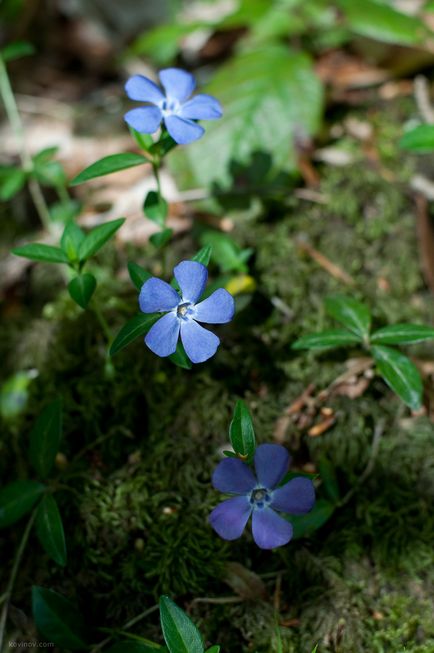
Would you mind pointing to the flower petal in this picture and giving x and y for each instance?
(199, 343)
(143, 89)
(229, 518)
(144, 120)
(296, 497)
(269, 530)
(201, 107)
(218, 308)
(157, 296)
(183, 131)
(271, 463)
(233, 476)
(163, 336)
(178, 84)
(191, 277)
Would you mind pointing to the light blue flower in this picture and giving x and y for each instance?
(174, 108)
(182, 312)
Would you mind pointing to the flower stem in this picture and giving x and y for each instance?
(103, 322)
(7, 596)
(14, 118)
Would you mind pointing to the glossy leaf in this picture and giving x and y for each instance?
(49, 529)
(71, 240)
(327, 340)
(400, 374)
(180, 633)
(382, 22)
(180, 358)
(419, 140)
(45, 438)
(58, 620)
(305, 525)
(18, 498)
(138, 275)
(16, 50)
(81, 288)
(203, 255)
(354, 315)
(156, 208)
(108, 165)
(98, 237)
(41, 252)
(402, 334)
(241, 431)
(137, 326)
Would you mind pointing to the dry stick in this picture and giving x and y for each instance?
(10, 587)
(129, 624)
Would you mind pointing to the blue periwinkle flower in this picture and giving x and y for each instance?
(260, 497)
(182, 312)
(174, 107)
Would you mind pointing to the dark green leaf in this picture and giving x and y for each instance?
(213, 649)
(17, 499)
(354, 315)
(382, 22)
(305, 525)
(420, 139)
(12, 181)
(155, 208)
(138, 275)
(98, 237)
(241, 432)
(203, 255)
(16, 50)
(226, 252)
(58, 620)
(402, 334)
(161, 238)
(400, 374)
(41, 252)
(328, 478)
(45, 438)
(180, 633)
(163, 146)
(49, 529)
(137, 326)
(71, 240)
(180, 358)
(327, 339)
(109, 164)
(81, 288)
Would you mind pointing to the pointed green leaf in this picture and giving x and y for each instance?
(109, 164)
(49, 529)
(420, 139)
(17, 499)
(327, 339)
(98, 237)
(180, 358)
(71, 240)
(81, 288)
(305, 525)
(161, 238)
(354, 315)
(402, 334)
(203, 255)
(163, 146)
(41, 252)
(156, 208)
(16, 50)
(137, 326)
(400, 374)
(45, 438)
(58, 620)
(241, 432)
(12, 181)
(180, 633)
(138, 275)
(213, 649)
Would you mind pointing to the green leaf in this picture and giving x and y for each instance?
(163, 146)
(41, 252)
(98, 237)
(241, 432)
(271, 98)
(203, 255)
(180, 358)
(144, 141)
(58, 620)
(402, 334)
(81, 288)
(48, 171)
(327, 339)
(354, 315)
(161, 238)
(109, 164)
(16, 499)
(400, 374)
(65, 211)
(213, 649)
(180, 633)
(71, 240)
(226, 252)
(137, 326)
(138, 275)
(49, 529)
(328, 478)
(381, 22)
(45, 438)
(156, 208)
(305, 525)
(163, 42)
(14, 394)
(12, 181)
(420, 139)
(16, 50)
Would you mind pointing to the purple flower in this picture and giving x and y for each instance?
(260, 497)
(183, 312)
(174, 107)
